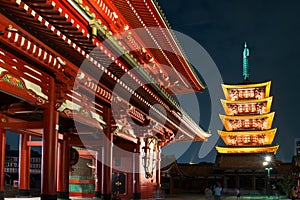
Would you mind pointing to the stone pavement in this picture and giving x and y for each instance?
(181, 196)
(202, 197)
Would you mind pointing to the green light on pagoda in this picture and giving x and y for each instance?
(246, 74)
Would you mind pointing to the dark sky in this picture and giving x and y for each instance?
(272, 31)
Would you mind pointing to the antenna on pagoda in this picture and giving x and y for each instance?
(246, 74)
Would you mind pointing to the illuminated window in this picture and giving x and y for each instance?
(246, 108)
(240, 108)
(247, 139)
(254, 139)
(251, 93)
(253, 107)
(246, 94)
(247, 123)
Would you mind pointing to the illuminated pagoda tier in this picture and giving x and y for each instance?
(247, 119)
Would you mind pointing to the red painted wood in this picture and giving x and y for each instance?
(24, 162)
(82, 181)
(72, 69)
(98, 173)
(80, 194)
(35, 143)
(107, 153)
(2, 159)
(63, 166)
(72, 13)
(50, 137)
(21, 125)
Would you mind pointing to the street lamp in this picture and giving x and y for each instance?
(267, 164)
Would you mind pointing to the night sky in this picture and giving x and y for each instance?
(272, 31)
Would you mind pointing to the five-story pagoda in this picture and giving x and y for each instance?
(248, 120)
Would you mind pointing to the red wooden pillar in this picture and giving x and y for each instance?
(2, 162)
(136, 187)
(63, 169)
(24, 166)
(49, 140)
(158, 166)
(107, 153)
(98, 181)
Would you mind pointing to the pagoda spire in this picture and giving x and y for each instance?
(246, 74)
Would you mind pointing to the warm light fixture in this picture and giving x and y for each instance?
(149, 155)
(268, 158)
(265, 163)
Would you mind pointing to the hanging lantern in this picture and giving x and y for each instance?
(149, 157)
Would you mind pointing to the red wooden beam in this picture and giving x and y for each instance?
(86, 153)
(22, 125)
(82, 181)
(2, 162)
(33, 51)
(40, 143)
(17, 108)
(81, 194)
(32, 132)
(35, 143)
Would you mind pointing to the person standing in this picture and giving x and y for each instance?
(217, 191)
(293, 194)
(208, 193)
(238, 193)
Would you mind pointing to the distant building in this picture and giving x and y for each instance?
(297, 146)
(194, 178)
(12, 169)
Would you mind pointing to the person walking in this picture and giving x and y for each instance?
(217, 191)
(238, 193)
(208, 193)
(292, 193)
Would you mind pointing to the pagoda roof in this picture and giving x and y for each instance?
(250, 150)
(268, 100)
(171, 169)
(268, 135)
(245, 86)
(188, 170)
(247, 116)
(226, 118)
(247, 101)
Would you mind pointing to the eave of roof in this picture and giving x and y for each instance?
(91, 44)
(137, 14)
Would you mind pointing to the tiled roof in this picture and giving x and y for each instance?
(240, 161)
(194, 170)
